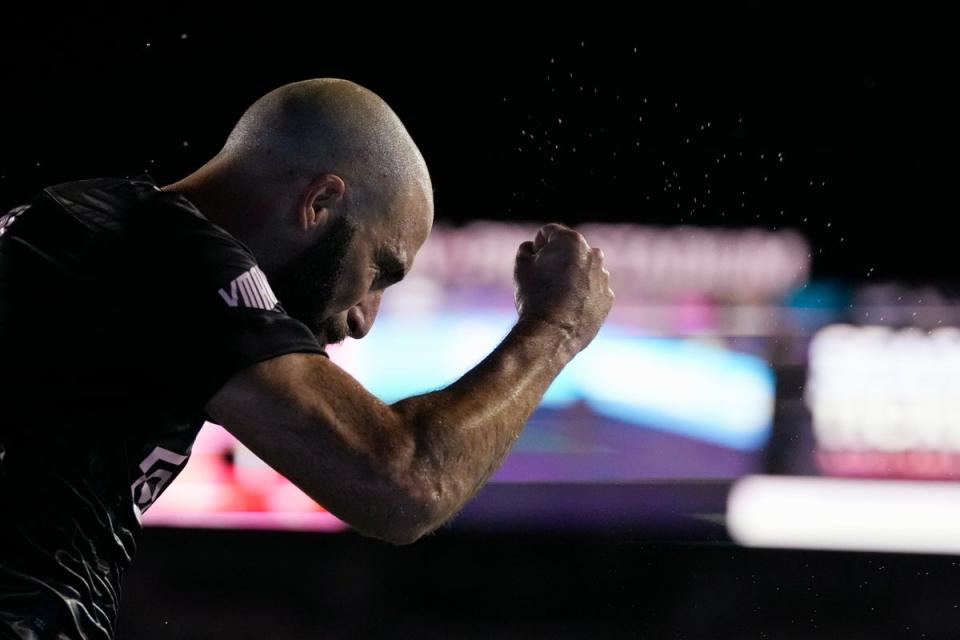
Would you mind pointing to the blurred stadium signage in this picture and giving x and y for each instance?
(886, 403)
(646, 263)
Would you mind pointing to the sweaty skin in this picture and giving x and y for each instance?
(302, 160)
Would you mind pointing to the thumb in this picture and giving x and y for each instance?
(526, 251)
(539, 240)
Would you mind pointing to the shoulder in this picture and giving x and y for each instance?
(131, 205)
(97, 200)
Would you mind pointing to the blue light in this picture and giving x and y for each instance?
(700, 391)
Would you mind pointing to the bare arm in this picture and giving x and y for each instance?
(399, 471)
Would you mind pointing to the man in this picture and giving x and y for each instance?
(130, 313)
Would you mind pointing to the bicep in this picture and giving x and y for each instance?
(316, 425)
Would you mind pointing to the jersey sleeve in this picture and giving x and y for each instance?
(209, 309)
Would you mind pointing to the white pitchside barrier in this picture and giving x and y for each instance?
(845, 515)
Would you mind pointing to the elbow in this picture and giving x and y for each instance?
(411, 517)
(417, 494)
(420, 500)
(400, 533)
(402, 538)
(415, 520)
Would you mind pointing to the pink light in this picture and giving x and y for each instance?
(918, 465)
(321, 521)
(225, 486)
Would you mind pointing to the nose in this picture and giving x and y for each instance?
(360, 316)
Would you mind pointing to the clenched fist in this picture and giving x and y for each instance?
(561, 280)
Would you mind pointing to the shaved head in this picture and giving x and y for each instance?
(328, 125)
(322, 182)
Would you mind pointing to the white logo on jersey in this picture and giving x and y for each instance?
(250, 289)
(158, 469)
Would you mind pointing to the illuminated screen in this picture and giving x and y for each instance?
(677, 384)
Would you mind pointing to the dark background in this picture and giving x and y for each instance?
(577, 114)
(564, 115)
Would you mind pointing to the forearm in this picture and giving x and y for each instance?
(462, 433)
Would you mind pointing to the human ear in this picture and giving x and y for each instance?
(322, 196)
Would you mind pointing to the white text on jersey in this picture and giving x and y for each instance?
(251, 290)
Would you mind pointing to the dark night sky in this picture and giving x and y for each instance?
(848, 133)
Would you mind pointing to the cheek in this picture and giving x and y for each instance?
(352, 284)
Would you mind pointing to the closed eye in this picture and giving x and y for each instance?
(391, 268)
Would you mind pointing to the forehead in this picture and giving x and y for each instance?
(407, 224)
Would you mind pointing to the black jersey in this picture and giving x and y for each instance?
(122, 311)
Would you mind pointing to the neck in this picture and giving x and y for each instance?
(233, 202)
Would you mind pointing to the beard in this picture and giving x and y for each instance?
(307, 285)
